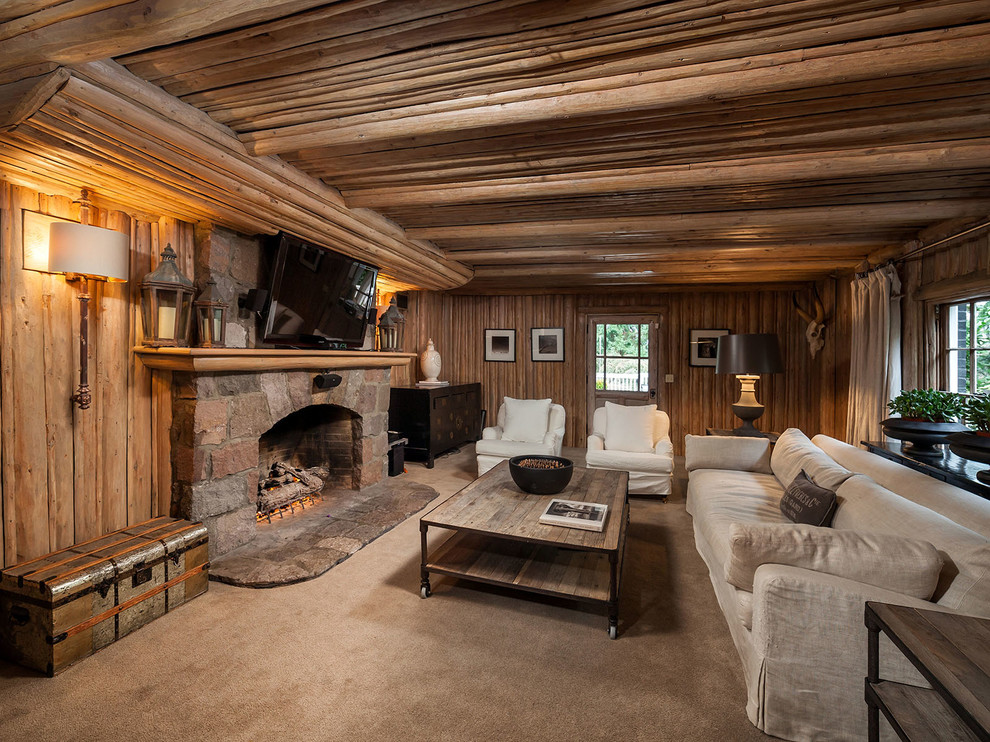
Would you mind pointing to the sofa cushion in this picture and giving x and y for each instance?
(526, 420)
(964, 583)
(717, 499)
(904, 565)
(794, 452)
(965, 508)
(727, 452)
(806, 502)
(629, 427)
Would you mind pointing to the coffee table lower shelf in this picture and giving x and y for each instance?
(575, 574)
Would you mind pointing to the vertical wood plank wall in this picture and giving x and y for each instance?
(67, 475)
(810, 395)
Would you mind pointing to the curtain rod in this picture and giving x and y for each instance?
(923, 248)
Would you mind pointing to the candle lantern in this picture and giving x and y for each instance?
(391, 328)
(211, 317)
(166, 304)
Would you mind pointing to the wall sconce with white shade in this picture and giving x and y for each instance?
(166, 304)
(747, 356)
(211, 317)
(83, 252)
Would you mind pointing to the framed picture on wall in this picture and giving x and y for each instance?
(500, 345)
(548, 343)
(703, 346)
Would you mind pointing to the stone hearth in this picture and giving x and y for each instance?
(309, 542)
(219, 419)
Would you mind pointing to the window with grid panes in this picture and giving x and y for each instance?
(966, 345)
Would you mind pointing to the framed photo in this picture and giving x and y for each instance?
(500, 345)
(704, 346)
(548, 343)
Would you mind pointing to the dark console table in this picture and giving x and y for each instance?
(952, 653)
(436, 419)
(948, 467)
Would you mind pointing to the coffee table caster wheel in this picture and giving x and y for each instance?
(613, 632)
(425, 592)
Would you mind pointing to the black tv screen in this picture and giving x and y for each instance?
(319, 298)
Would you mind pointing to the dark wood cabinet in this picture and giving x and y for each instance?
(436, 420)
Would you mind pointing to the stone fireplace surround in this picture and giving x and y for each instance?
(219, 417)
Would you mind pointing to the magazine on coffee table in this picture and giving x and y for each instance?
(574, 514)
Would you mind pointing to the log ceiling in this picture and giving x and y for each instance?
(537, 144)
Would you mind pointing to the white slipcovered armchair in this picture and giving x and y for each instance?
(523, 426)
(635, 439)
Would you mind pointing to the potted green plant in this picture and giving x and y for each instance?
(974, 444)
(925, 417)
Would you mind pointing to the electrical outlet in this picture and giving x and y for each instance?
(669, 378)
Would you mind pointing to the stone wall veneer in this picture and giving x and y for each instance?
(218, 419)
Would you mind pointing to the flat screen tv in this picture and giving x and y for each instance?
(318, 298)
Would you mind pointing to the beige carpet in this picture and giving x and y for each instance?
(356, 654)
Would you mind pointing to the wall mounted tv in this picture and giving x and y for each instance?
(318, 298)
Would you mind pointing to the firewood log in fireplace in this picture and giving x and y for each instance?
(287, 484)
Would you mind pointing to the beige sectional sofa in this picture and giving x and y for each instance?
(793, 595)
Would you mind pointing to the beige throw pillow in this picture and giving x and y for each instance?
(629, 428)
(904, 565)
(526, 420)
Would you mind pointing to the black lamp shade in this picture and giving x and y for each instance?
(757, 353)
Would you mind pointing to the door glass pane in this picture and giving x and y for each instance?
(644, 375)
(982, 371)
(623, 340)
(600, 340)
(599, 373)
(644, 341)
(621, 374)
(981, 322)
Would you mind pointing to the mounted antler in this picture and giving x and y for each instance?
(815, 333)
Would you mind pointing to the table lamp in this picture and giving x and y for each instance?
(747, 356)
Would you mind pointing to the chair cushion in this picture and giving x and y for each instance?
(626, 461)
(508, 449)
(629, 428)
(904, 565)
(526, 420)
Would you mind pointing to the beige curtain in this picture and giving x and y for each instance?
(875, 372)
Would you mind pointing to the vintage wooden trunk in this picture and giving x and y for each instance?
(59, 608)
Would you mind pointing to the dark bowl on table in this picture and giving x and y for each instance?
(541, 481)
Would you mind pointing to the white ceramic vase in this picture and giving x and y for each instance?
(429, 362)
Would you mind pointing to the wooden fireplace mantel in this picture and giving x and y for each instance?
(209, 360)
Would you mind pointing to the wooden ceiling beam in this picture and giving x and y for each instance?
(915, 53)
(500, 64)
(701, 250)
(912, 158)
(73, 32)
(871, 216)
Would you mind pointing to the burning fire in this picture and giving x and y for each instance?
(290, 507)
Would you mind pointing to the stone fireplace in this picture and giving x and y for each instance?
(229, 427)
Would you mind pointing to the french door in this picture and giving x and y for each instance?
(622, 360)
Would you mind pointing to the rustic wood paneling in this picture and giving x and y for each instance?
(810, 395)
(955, 270)
(67, 474)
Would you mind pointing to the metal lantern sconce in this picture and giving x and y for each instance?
(391, 329)
(211, 317)
(83, 252)
(166, 299)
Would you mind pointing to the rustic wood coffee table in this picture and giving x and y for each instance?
(498, 539)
